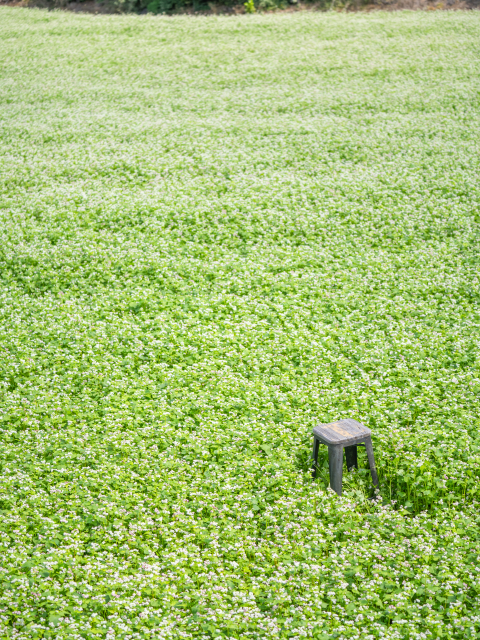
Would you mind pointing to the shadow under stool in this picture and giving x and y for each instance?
(345, 434)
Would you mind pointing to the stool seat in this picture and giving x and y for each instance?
(344, 434)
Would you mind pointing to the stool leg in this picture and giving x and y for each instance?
(371, 460)
(335, 465)
(316, 444)
(351, 456)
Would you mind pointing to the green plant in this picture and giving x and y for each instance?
(268, 5)
(249, 6)
(215, 233)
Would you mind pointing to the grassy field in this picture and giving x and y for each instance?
(215, 233)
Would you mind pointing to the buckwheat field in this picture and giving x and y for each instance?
(216, 233)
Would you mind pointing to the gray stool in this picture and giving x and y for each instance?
(346, 434)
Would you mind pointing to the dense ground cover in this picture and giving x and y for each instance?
(215, 233)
